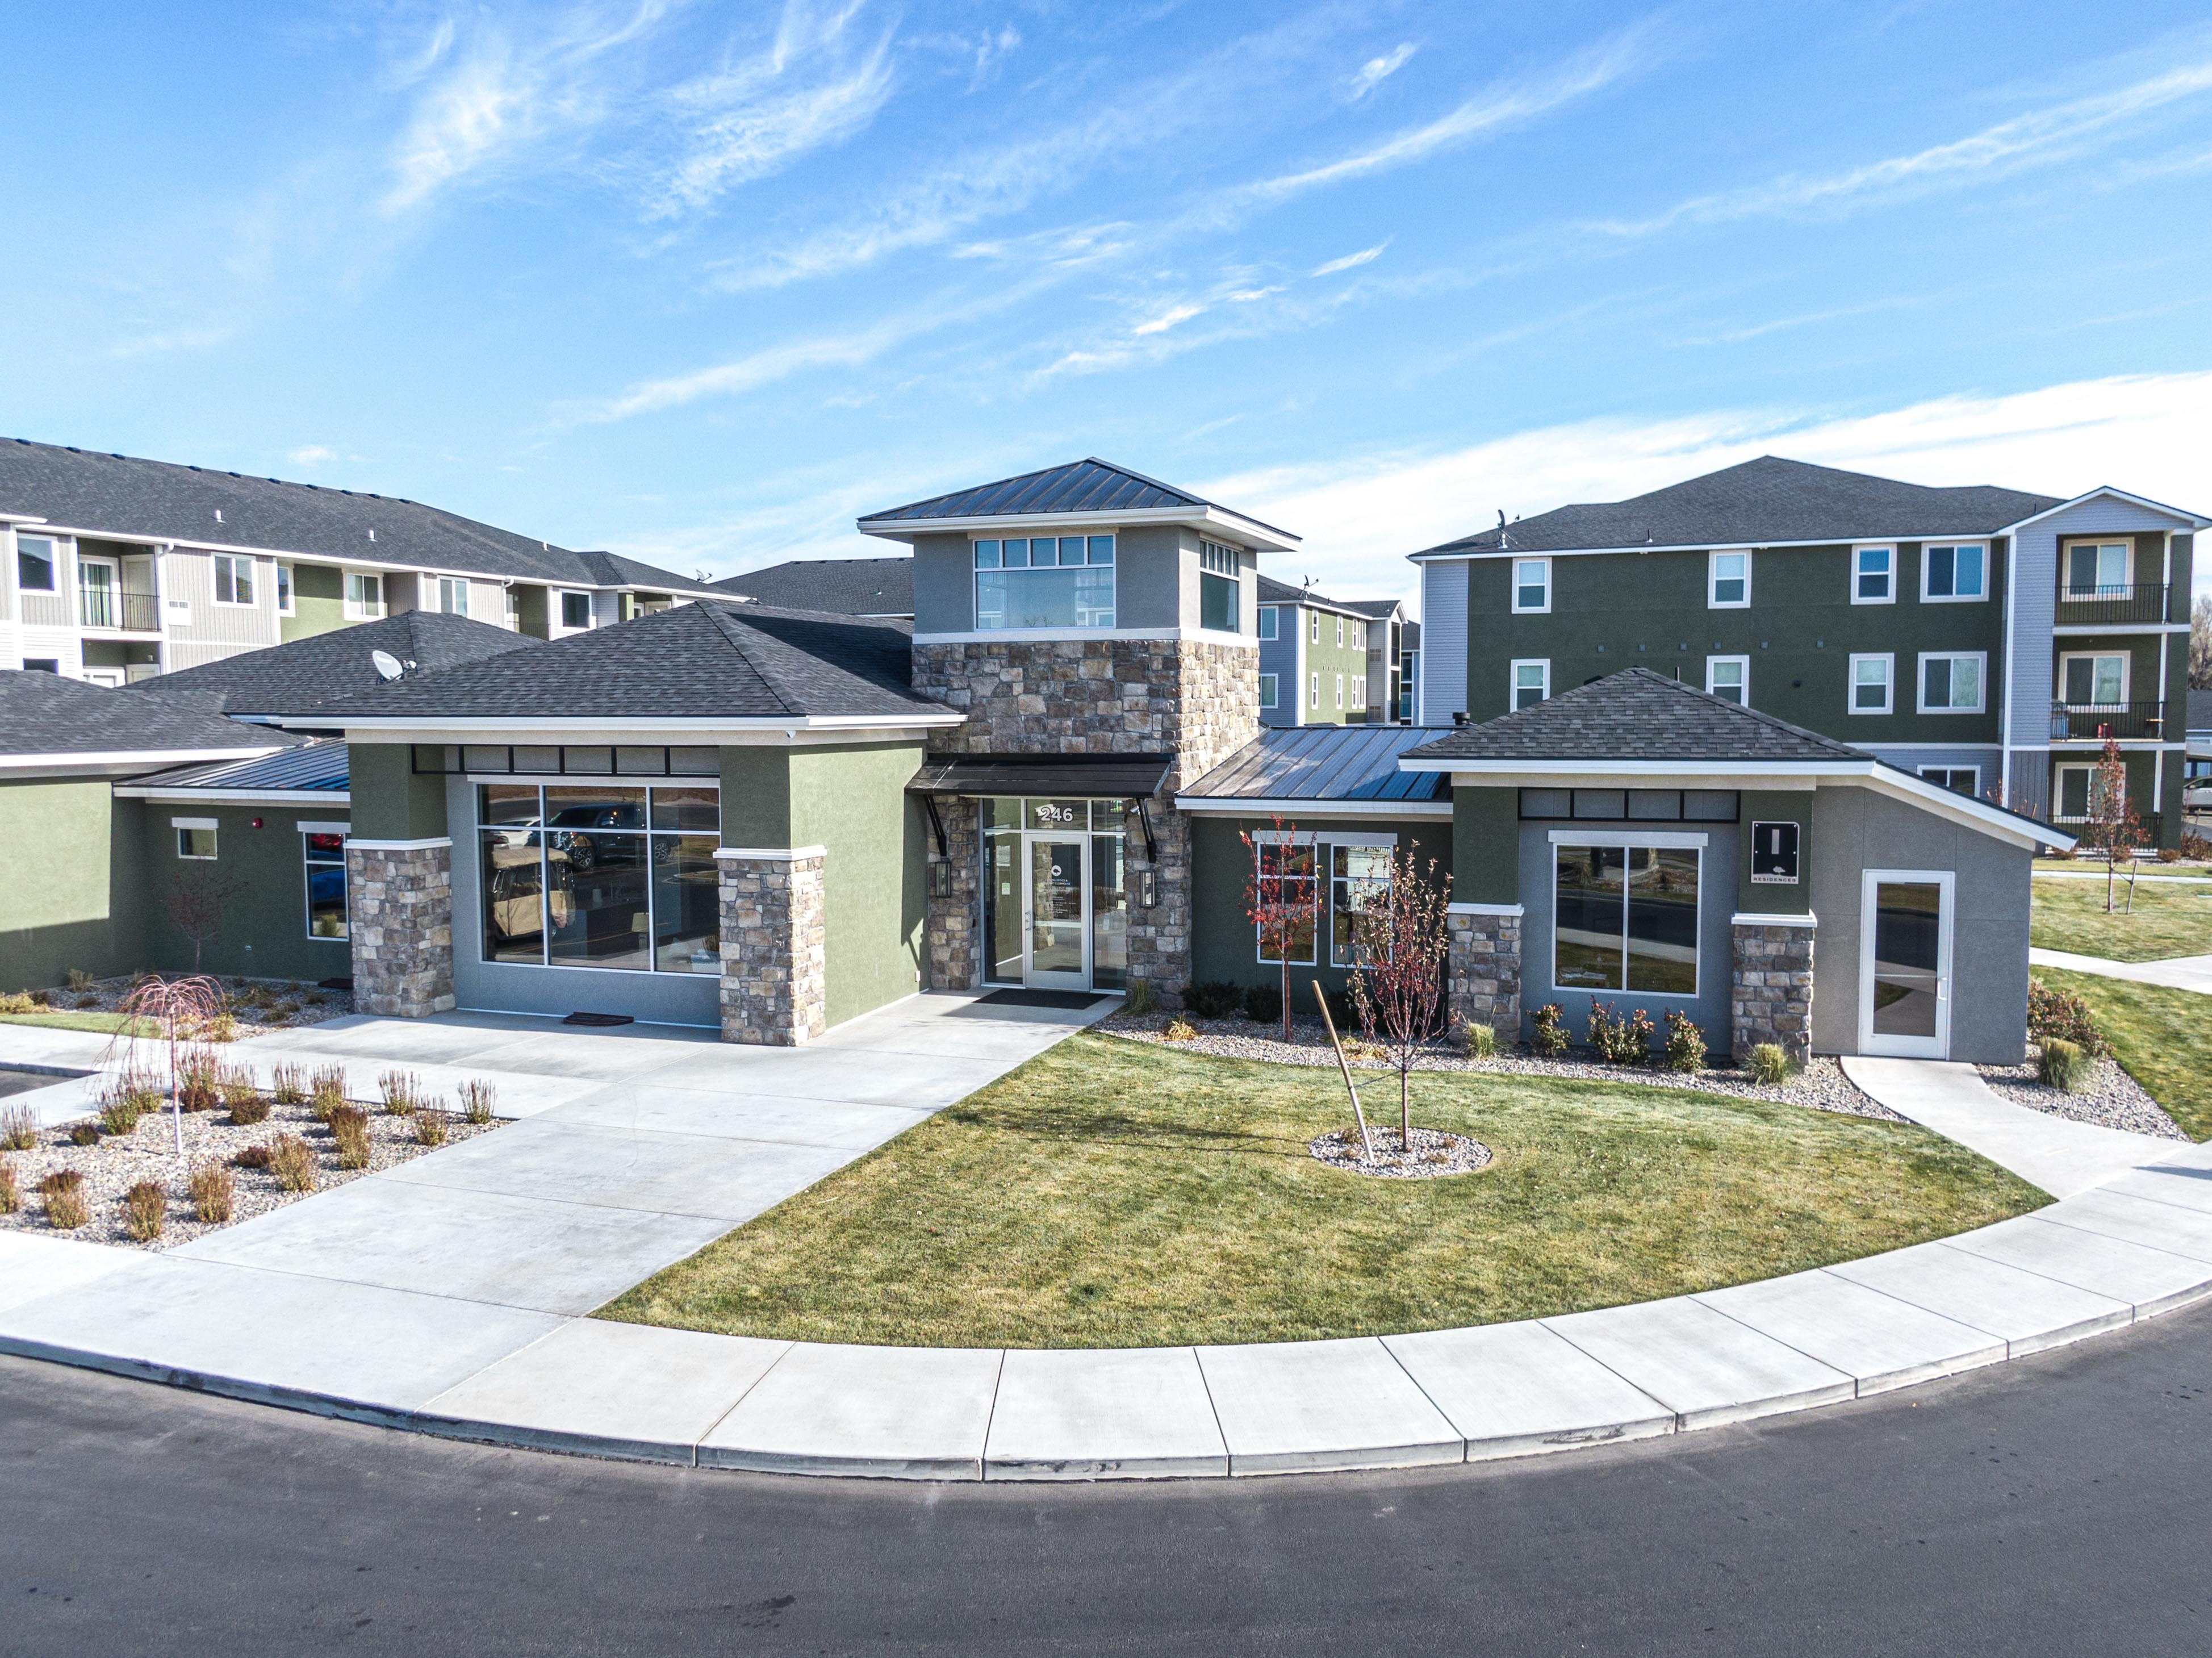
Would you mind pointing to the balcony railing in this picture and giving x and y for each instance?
(119, 607)
(2093, 722)
(2126, 601)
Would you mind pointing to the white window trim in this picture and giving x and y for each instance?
(1513, 578)
(1890, 548)
(1712, 578)
(285, 579)
(1340, 693)
(1270, 689)
(1513, 679)
(308, 866)
(2066, 546)
(560, 609)
(233, 559)
(1927, 597)
(1629, 837)
(1270, 626)
(1340, 633)
(1314, 694)
(1920, 681)
(1713, 661)
(358, 610)
(53, 562)
(179, 826)
(1307, 840)
(1316, 629)
(1888, 659)
(2127, 675)
(1673, 838)
(1977, 770)
(2089, 768)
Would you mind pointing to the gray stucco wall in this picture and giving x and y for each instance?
(1156, 581)
(1854, 829)
(943, 585)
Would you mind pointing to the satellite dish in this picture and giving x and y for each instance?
(388, 666)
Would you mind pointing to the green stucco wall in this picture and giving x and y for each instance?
(1486, 842)
(264, 924)
(70, 899)
(1328, 659)
(317, 601)
(392, 803)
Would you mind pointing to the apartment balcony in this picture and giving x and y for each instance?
(2116, 605)
(127, 609)
(2093, 722)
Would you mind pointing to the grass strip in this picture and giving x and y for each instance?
(2162, 1037)
(2169, 920)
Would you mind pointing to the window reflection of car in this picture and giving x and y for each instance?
(514, 910)
(569, 829)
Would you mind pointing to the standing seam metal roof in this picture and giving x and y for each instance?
(1322, 764)
(1086, 486)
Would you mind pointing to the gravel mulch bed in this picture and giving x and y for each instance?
(1822, 1084)
(1435, 1153)
(115, 1163)
(2114, 1099)
(256, 1005)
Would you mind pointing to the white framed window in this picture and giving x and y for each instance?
(195, 838)
(1955, 572)
(1340, 690)
(1873, 688)
(1219, 600)
(1358, 878)
(2093, 679)
(575, 610)
(1287, 876)
(1951, 681)
(1359, 690)
(233, 580)
(364, 595)
(1531, 681)
(448, 593)
(1270, 622)
(1340, 633)
(1626, 915)
(285, 605)
(1532, 586)
(1054, 581)
(1315, 617)
(1313, 693)
(1728, 581)
(322, 851)
(1959, 780)
(36, 559)
(1359, 635)
(1729, 679)
(1874, 575)
(1267, 684)
(2076, 791)
(2097, 570)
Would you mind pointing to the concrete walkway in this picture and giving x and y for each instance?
(2175, 973)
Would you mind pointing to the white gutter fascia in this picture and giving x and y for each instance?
(1701, 546)
(1274, 541)
(163, 758)
(238, 797)
(1214, 805)
(681, 734)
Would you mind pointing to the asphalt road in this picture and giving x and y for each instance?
(2061, 1505)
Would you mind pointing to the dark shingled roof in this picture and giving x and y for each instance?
(1088, 487)
(1409, 637)
(712, 659)
(2200, 711)
(124, 495)
(1373, 607)
(292, 678)
(1758, 503)
(317, 767)
(1634, 715)
(1272, 592)
(44, 713)
(1324, 763)
(848, 586)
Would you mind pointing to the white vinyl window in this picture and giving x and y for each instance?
(1286, 876)
(576, 610)
(1053, 581)
(233, 580)
(1625, 917)
(322, 850)
(1729, 677)
(1313, 693)
(2093, 679)
(1340, 690)
(1532, 586)
(448, 593)
(364, 599)
(1314, 617)
(1340, 633)
(1531, 681)
(195, 838)
(1872, 691)
(1874, 575)
(1358, 883)
(1951, 681)
(1728, 581)
(284, 604)
(1953, 573)
(2078, 791)
(35, 559)
(1959, 780)
(1270, 622)
(2097, 570)
(1359, 690)
(1268, 683)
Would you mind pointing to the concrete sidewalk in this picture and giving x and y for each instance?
(2175, 973)
(2061, 1156)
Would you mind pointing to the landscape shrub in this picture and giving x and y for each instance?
(212, 1189)
(120, 1108)
(145, 1206)
(2063, 1064)
(1545, 1035)
(2194, 846)
(83, 1132)
(2062, 1014)
(1264, 1003)
(349, 1126)
(19, 1129)
(314, 999)
(1620, 1039)
(292, 1160)
(1769, 1065)
(1685, 1043)
(80, 981)
(63, 1192)
(326, 1090)
(248, 1108)
(288, 1085)
(1181, 1031)
(251, 1156)
(476, 1099)
(199, 1081)
(433, 1122)
(243, 1094)
(18, 1001)
(11, 1195)
(400, 1089)
(1480, 1041)
(2169, 854)
(223, 1028)
(1141, 997)
(87, 1001)
(1215, 999)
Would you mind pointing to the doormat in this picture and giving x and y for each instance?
(1025, 998)
(598, 1018)
(345, 983)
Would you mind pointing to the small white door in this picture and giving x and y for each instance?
(1056, 912)
(96, 587)
(1904, 956)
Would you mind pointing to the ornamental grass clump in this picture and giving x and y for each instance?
(11, 1195)
(433, 1122)
(1181, 1031)
(476, 1098)
(1685, 1043)
(326, 1091)
(247, 1104)
(2063, 1065)
(212, 1188)
(292, 1160)
(1769, 1065)
(401, 1089)
(83, 1133)
(1545, 1035)
(63, 1192)
(349, 1126)
(199, 1081)
(288, 1085)
(19, 1128)
(1480, 1041)
(145, 1208)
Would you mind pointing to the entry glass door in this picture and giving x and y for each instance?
(1055, 929)
(1906, 997)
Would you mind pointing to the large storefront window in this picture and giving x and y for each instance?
(1055, 898)
(1626, 918)
(1045, 581)
(586, 875)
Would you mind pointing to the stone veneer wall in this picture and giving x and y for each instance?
(952, 938)
(1194, 699)
(399, 912)
(1771, 992)
(1482, 968)
(775, 981)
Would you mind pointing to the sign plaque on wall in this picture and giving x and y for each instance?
(1774, 854)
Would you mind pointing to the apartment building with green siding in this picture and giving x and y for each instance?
(1313, 659)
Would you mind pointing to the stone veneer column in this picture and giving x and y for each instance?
(1482, 968)
(400, 920)
(775, 945)
(1770, 991)
(953, 935)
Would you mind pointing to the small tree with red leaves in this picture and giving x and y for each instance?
(1398, 928)
(1281, 897)
(180, 1009)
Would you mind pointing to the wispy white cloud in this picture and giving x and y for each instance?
(312, 454)
(1169, 318)
(1376, 70)
(1351, 261)
(758, 368)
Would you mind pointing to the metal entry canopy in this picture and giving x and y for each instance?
(1113, 776)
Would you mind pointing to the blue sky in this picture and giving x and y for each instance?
(701, 282)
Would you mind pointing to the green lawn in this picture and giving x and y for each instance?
(106, 1023)
(1114, 1193)
(2162, 1037)
(2169, 920)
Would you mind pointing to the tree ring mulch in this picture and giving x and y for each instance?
(1434, 1155)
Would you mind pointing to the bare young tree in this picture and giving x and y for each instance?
(180, 1009)
(2111, 825)
(195, 901)
(1398, 985)
(1281, 888)
(2200, 644)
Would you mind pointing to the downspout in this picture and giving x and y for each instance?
(2012, 658)
(2164, 649)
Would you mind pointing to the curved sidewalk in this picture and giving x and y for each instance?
(2175, 973)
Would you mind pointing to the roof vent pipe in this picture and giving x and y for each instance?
(1459, 717)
